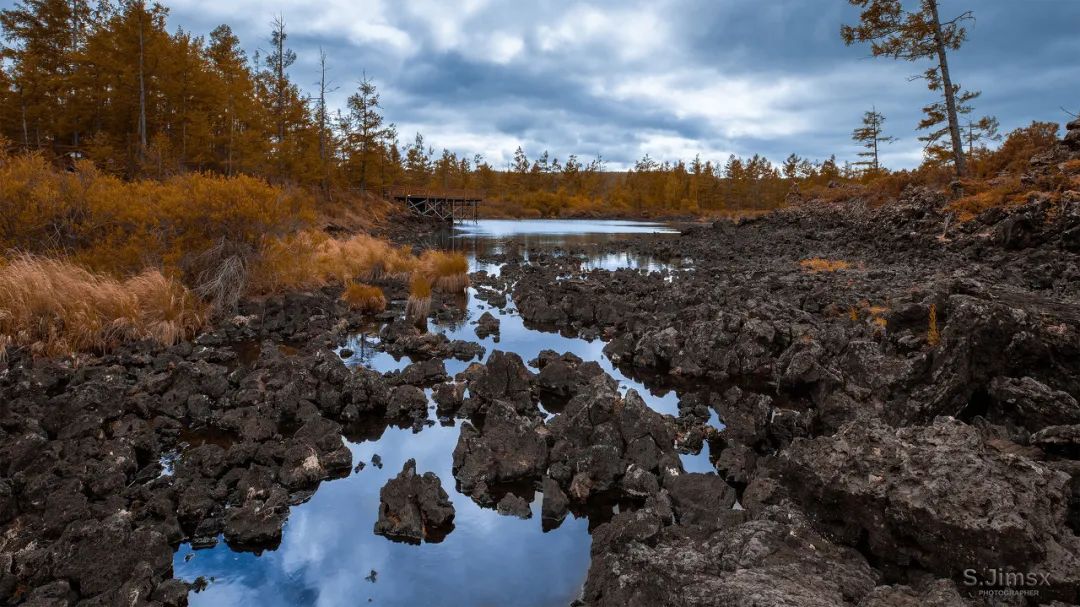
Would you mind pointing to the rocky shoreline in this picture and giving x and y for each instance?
(899, 429)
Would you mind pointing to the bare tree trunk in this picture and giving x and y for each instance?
(75, 25)
(142, 84)
(25, 127)
(232, 130)
(323, 151)
(950, 93)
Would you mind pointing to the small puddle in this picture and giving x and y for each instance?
(329, 555)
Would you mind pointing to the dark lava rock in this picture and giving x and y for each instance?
(257, 524)
(555, 505)
(700, 499)
(487, 325)
(971, 504)
(424, 373)
(514, 505)
(566, 375)
(1033, 404)
(466, 350)
(778, 560)
(1060, 440)
(407, 403)
(448, 397)
(507, 447)
(505, 378)
(414, 508)
(600, 434)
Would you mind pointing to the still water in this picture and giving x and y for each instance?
(329, 556)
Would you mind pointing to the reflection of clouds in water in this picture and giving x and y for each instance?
(528, 343)
(328, 547)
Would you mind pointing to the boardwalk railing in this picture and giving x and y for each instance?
(447, 205)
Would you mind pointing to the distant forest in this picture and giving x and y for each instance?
(106, 81)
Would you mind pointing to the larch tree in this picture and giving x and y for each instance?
(916, 35)
(979, 131)
(322, 118)
(43, 41)
(278, 88)
(870, 136)
(790, 168)
(417, 163)
(367, 129)
(238, 118)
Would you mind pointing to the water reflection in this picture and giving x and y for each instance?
(489, 237)
(328, 548)
(329, 556)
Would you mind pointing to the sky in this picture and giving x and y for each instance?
(622, 78)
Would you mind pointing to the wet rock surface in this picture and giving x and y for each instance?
(414, 507)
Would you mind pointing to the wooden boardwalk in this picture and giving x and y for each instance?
(447, 205)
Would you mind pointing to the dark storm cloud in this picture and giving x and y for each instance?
(670, 78)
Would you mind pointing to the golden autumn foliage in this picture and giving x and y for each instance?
(95, 260)
(53, 306)
(364, 297)
(119, 227)
(820, 264)
(985, 195)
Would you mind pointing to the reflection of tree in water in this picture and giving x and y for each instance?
(363, 347)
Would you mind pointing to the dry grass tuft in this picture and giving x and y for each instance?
(933, 336)
(447, 272)
(419, 304)
(364, 297)
(819, 264)
(55, 307)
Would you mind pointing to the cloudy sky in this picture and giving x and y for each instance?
(670, 78)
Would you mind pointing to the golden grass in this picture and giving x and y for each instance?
(819, 264)
(447, 272)
(983, 195)
(933, 336)
(311, 259)
(364, 297)
(419, 304)
(55, 307)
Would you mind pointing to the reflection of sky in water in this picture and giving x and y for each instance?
(328, 547)
(503, 228)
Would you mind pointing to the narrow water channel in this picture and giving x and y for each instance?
(329, 556)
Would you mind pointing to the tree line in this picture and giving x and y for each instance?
(107, 81)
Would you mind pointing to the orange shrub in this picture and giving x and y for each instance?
(122, 227)
(985, 195)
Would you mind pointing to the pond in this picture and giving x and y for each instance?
(329, 556)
